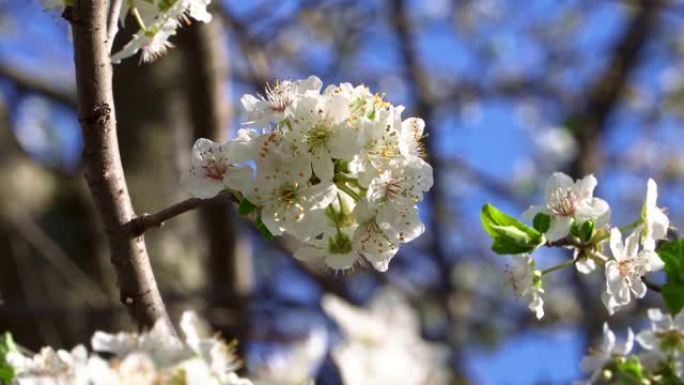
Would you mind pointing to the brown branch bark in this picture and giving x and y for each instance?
(102, 162)
(140, 224)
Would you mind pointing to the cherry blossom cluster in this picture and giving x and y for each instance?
(661, 358)
(338, 169)
(571, 217)
(154, 357)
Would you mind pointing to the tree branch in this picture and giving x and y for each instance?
(102, 162)
(113, 22)
(30, 83)
(604, 95)
(137, 226)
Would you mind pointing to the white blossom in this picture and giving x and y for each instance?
(603, 354)
(278, 101)
(380, 140)
(624, 271)
(156, 356)
(527, 283)
(569, 202)
(334, 247)
(297, 364)
(160, 20)
(339, 170)
(665, 334)
(664, 341)
(382, 344)
(320, 125)
(401, 184)
(287, 197)
(153, 44)
(213, 169)
(410, 144)
(50, 367)
(654, 219)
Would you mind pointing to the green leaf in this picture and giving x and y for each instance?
(265, 232)
(672, 254)
(246, 207)
(510, 235)
(7, 345)
(673, 294)
(541, 222)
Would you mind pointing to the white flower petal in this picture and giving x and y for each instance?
(585, 187)
(559, 228)
(617, 248)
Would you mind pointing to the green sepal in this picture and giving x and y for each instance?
(265, 232)
(7, 345)
(339, 244)
(246, 207)
(586, 231)
(630, 370)
(165, 5)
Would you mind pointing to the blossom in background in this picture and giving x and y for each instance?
(665, 339)
(155, 357)
(382, 344)
(159, 20)
(655, 221)
(568, 203)
(527, 283)
(602, 355)
(297, 365)
(339, 170)
(624, 271)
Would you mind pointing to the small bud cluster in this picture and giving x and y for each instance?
(337, 169)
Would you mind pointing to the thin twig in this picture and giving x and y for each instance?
(137, 226)
(29, 82)
(113, 22)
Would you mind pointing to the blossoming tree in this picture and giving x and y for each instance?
(340, 170)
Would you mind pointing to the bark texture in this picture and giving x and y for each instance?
(102, 162)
